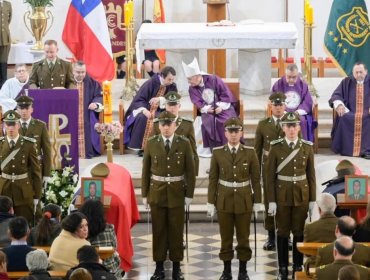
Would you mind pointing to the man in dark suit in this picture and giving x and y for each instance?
(5, 41)
(51, 72)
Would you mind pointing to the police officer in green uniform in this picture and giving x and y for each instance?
(51, 72)
(20, 169)
(168, 181)
(34, 128)
(291, 185)
(184, 126)
(5, 41)
(235, 191)
(268, 130)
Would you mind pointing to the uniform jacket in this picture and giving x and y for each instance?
(245, 167)
(330, 271)
(60, 76)
(37, 130)
(285, 193)
(178, 162)
(25, 161)
(184, 127)
(6, 17)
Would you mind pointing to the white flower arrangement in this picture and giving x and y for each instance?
(111, 130)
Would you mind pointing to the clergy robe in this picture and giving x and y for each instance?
(343, 132)
(298, 97)
(135, 124)
(10, 91)
(92, 94)
(213, 132)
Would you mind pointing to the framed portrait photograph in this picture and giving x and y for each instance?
(92, 188)
(356, 188)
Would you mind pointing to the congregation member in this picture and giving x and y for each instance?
(362, 233)
(18, 249)
(322, 230)
(51, 72)
(268, 130)
(5, 39)
(213, 99)
(291, 185)
(168, 181)
(121, 67)
(20, 168)
(184, 126)
(343, 251)
(90, 104)
(147, 103)
(6, 214)
(348, 272)
(346, 226)
(151, 61)
(298, 99)
(234, 191)
(80, 274)
(14, 88)
(37, 263)
(3, 267)
(351, 101)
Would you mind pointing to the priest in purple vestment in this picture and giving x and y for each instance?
(92, 104)
(137, 114)
(298, 99)
(351, 100)
(214, 100)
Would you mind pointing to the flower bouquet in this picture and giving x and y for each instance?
(109, 130)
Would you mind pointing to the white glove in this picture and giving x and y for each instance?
(35, 202)
(272, 209)
(311, 205)
(188, 200)
(211, 210)
(258, 207)
(145, 202)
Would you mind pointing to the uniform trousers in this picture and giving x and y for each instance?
(168, 228)
(268, 220)
(291, 219)
(26, 211)
(241, 222)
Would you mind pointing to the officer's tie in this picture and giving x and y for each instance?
(291, 145)
(51, 65)
(24, 127)
(233, 152)
(12, 144)
(167, 146)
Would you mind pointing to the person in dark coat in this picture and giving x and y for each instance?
(362, 233)
(6, 214)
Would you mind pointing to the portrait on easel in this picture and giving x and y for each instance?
(92, 188)
(356, 188)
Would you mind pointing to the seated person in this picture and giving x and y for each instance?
(14, 87)
(6, 214)
(344, 249)
(214, 100)
(298, 99)
(351, 101)
(121, 67)
(3, 269)
(80, 274)
(48, 228)
(37, 263)
(151, 61)
(362, 233)
(18, 249)
(148, 98)
(348, 272)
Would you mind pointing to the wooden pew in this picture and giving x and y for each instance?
(104, 252)
(310, 248)
(20, 274)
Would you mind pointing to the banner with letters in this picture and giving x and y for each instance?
(59, 109)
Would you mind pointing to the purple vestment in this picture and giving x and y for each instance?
(343, 131)
(135, 125)
(298, 97)
(211, 137)
(92, 94)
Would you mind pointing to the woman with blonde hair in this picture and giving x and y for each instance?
(3, 264)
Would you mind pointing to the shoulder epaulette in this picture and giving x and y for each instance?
(307, 142)
(156, 120)
(33, 140)
(153, 137)
(276, 141)
(322, 266)
(218, 148)
(248, 147)
(2, 138)
(362, 266)
(187, 119)
(323, 246)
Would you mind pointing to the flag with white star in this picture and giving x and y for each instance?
(347, 36)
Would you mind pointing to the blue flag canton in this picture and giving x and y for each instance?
(85, 6)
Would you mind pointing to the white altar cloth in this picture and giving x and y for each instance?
(22, 53)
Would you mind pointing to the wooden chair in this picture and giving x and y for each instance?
(20, 274)
(101, 138)
(315, 115)
(324, 64)
(235, 90)
(121, 117)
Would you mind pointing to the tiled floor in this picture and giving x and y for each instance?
(204, 245)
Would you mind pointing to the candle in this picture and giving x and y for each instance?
(131, 5)
(309, 18)
(126, 8)
(107, 101)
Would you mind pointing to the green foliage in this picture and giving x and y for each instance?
(39, 3)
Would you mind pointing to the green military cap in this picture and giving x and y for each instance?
(233, 124)
(100, 170)
(345, 167)
(166, 118)
(290, 118)
(11, 117)
(277, 98)
(172, 98)
(24, 101)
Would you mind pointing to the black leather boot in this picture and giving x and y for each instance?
(297, 256)
(243, 275)
(176, 271)
(283, 257)
(226, 274)
(3, 73)
(270, 243)
(159, 272)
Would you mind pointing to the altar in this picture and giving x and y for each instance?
(254, 41)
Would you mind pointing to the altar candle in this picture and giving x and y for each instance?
(306, 5)
(107, 101)
(131, 5)
(310, 15)
(126, 8)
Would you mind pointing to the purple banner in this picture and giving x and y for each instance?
(59, 109)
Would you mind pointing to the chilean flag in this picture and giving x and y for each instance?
(86, 35)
